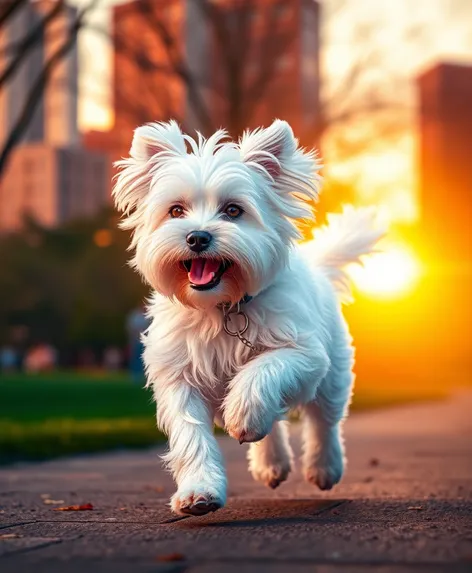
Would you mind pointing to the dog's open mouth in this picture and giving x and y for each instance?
(205, 274)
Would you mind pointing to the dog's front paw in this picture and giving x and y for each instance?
(249, 429)
(247, 422)
(196, 500)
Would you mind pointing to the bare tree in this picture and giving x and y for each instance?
(248, 40)
(248, 45)
(371, 101)
(20, 50)
(367, 104)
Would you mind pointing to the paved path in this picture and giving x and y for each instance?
(404, 505)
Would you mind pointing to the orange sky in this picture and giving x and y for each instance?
(399, 37)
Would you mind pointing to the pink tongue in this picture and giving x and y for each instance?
(202, 271)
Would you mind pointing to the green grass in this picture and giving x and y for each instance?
(63, 413)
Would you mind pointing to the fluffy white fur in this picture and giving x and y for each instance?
(303, 354)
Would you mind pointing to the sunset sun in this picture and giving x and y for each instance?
(391, 273)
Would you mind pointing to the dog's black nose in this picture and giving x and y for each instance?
(198, 240)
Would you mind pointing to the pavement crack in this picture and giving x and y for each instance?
(174, 519)
(102, 521)
(19, 524)
(332, 506)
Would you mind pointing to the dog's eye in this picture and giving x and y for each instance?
(233, 211)
(176, 211)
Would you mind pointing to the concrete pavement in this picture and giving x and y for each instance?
(404, 505)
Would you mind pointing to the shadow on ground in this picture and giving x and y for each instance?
(266, 513)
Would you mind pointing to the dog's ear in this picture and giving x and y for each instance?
(291, 170)
(269, 148)
(153, 138)
(152, 143)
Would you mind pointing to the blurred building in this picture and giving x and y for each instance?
(53, 185)
(50, 175)
(104, 143)
(236, 64)
(446, 200)
(446, 160)
(55, 118)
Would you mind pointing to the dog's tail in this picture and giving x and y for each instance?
(346, 238)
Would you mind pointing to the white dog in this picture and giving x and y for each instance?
(243, 328)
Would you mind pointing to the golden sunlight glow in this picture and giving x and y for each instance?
(382, 176)
(391, 273)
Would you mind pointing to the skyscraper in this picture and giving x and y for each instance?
(446, 202)
(53, 185)
(446, 160)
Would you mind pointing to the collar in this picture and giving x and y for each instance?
(236, 311)
(225, 305)
(246, 298)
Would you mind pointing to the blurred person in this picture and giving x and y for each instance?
(86, 359)
(112, 359)
(136, 324)
(40, 358)
(8, 358)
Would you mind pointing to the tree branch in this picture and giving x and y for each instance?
(273, 46)
(177, 62)
(28, 42)
(9, 9)
(38, 87)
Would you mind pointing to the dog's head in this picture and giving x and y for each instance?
(213, 220)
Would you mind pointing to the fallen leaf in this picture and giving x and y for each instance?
(171, 557)
(9, 536)
(53, 501)
(415, 508)
(156, 488)
(374, 462)
(368, 479)
(83, 507)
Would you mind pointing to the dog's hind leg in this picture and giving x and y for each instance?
(323, 449)
(270, 460)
